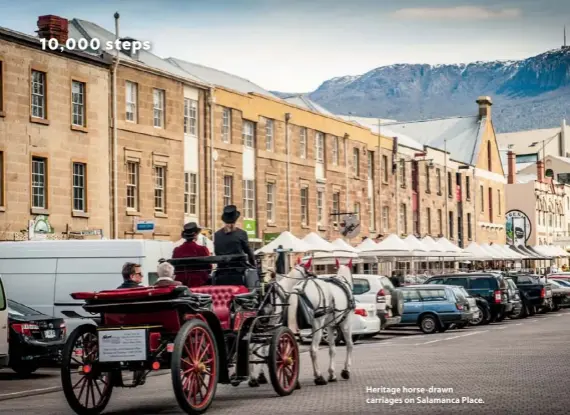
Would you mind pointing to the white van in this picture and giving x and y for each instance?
(3, 327)
(43, 274)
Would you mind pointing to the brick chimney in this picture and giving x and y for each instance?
(512, 168)
(540, 171)
(484, 106)
(53, 27)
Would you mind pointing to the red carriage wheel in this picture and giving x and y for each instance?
(283, 361)
(195, 367)
(86, 389)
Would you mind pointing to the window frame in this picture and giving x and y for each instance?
(334, 150)
(133, 187)
(190, 117)
(190, 193)
(45, 184)
(131, 88)
(304, 202)
(41, 96)
(80, 105)
(303, 143)
(226, 125)
(438, 180)
(80, 188)
(248, 137)
(384, 168)
(159, 188)
(269, 134)
(319, 147)
(248, 196)
(320, 207)
(356, 162)
(404, 218)
(270, 201)
(228, 196)
(385, 218)
(158, 107)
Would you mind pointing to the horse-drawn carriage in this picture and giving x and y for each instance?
(205, 336)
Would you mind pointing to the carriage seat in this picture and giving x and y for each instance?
(222, 297)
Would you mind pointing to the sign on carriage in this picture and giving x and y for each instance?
(350, 226)
(122, 345)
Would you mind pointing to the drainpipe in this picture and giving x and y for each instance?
(446, 216)
(115, 138)
(288, 150)
(346, 171)
(475, 216)
(211, 103)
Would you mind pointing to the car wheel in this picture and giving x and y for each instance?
(24, 368)
(518, 314)
(355, 338)
(336, 334)
(556, 307)
(482, 318)
(429, 324)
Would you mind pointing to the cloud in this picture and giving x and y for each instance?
(457, 13)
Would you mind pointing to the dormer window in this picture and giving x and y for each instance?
(127, 47)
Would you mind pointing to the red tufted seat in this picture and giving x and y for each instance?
(222, 296)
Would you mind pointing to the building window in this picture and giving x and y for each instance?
(78, 103)
(270, 202)
(385, 169)
(490, 204)
(385, 218)
(334, 150)
(320, 205)
(303, 143)
(132, 185)
(269, 126)
(482, 191)
(190, 116)
(428, 220)
(228, 190)
(357, 210)
(248, 199)
(226, 125)
(371, 213)
(159, 188)
(449, 185)
(131, 101)
(438, 180)
(39, 94)
(402, 173)
(247, 134)
(336, 203)
(428, 184)
(416, 222)
(320, 147)
(440, 221)
(39, 183)
(356, 162)
(499, 201)
(79, 193)
(489, 157)
(404, 218)
(190, 193)
(451, 234)
(1, 86)
(158, 107)
(370, 165)
(304, 206)
(468, 187)
(469, 232)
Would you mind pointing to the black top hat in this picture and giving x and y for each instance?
(190, 229)
(230, 214)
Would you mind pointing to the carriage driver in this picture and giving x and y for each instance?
(231, 240)
(189, 249)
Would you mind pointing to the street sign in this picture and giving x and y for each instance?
(144, 226)
(350, 226)
(250, 226)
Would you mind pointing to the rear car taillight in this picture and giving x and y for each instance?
(543, 293)
(379, 296)
(62, 329)
(459, 306)
(25, 329)
(497, 297)
(361, 312)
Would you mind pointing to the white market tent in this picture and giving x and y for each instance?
(509, 253)
(418, 247)
(451, 247)
(392, 246)
(326, 253)
(317, 243)
(342, 246)
(437, 249)
(563, 252)
(493, 252)
(289, 242)
(478, 253)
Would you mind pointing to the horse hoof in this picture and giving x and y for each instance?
(320, 381)
(261, 379)
(253, 383)
(332, 378)
(298, 385)
(235, 383)
(345, 374)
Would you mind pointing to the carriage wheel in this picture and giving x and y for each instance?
(195, 367)
(87, 390)
(283, 361)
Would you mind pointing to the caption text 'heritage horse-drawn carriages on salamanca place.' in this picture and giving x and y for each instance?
(205, 336)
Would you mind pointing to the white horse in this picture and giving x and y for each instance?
(334, 306)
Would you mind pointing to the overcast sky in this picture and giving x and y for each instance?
(295, 45)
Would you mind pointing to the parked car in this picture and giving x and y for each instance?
(565, 276)
(380, 290)
(461, 293)
(433, 308)
(34, 338)
(4, 358)
(560, 294)
(365, 322)
(536, 295)
(489, 286)
(514, 299)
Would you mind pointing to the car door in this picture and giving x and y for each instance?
(436, 300)
(483, 287)
(3, 321)
(413, 307)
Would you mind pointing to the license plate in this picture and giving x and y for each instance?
(49, 334)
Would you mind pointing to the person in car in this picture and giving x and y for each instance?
(231, 240)
(165, 273)
(190, 249)
(132, 276)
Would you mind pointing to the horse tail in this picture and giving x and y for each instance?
(292, 312)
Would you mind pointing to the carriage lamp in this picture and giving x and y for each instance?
(155, 365)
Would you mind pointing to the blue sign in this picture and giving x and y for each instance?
(144, 226)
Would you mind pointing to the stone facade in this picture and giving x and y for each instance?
(48, 146)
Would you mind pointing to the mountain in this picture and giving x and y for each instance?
(527, 94)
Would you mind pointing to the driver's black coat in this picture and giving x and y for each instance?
(231, 243)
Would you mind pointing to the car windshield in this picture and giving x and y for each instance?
(460, 293)
(360, 286)
(18, 309)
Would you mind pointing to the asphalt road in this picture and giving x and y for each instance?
(516, 367)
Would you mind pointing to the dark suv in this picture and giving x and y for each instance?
(489, 286)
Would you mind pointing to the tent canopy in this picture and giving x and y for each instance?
(418, 247)
(341, 245)
(392, 246)
(317, 243)
(289, 242)
(478, 253)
